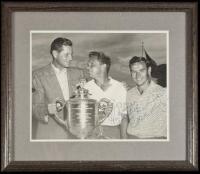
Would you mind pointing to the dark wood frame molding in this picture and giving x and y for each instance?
(7, 87)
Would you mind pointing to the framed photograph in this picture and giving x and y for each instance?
(99, 86)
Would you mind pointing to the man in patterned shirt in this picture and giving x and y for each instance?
(146, 103)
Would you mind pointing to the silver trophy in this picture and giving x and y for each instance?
(83, 114)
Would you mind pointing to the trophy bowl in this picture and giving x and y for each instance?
(82, 116)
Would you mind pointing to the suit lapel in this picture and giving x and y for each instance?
(55, 87)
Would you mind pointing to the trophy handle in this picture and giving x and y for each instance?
(60, 104)
(103, 110)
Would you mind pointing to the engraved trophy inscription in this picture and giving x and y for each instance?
(83, 114)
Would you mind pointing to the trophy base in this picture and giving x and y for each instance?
(97, 133)
(81, 133)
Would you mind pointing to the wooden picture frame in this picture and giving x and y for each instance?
(7, 86)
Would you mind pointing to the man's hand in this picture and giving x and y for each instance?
(125, 85)
(52, 109)
(56, 106)
(123, 128)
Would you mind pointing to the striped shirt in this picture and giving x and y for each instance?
(147, 112)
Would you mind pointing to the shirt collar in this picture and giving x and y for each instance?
(150, 87)
(109, 77)
(57, 70)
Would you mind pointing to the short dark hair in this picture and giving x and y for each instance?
(102, 58)
(58, 43)
(136, 59)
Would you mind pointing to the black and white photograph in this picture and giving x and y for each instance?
(99, 85)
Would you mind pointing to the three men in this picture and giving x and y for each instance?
(146, 103)
(54, 81)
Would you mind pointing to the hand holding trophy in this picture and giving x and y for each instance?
(83, 114)
(54, 109)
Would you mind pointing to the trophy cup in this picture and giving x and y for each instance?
(83, 114)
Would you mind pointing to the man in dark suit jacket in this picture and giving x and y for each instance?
(55, 81)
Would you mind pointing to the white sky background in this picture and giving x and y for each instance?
(120, 47)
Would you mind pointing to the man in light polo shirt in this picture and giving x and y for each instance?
(108, 92)
(146, 103)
